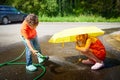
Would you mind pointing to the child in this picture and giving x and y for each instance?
(92, 48)
(29, 36)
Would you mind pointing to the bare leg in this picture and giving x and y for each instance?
(90, 55)
(98, 63)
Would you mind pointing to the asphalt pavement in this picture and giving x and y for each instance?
(63, 63)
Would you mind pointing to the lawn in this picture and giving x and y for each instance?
(81, 18)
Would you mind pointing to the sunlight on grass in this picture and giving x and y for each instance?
(78, 19)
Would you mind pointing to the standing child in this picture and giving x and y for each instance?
(29, 36)
(92, 48)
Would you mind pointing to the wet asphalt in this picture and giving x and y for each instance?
(63, 63)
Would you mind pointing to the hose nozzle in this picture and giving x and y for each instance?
(42, 56)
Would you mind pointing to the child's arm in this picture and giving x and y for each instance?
(30, 46)
(86, 47)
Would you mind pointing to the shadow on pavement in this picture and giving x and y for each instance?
(110, 62)
(62, 65)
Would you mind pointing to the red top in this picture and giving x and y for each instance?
(27, 32)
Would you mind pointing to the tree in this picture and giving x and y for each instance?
(49, 8)
(105, 8)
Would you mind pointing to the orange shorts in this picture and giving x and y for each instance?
(98, 50)
(99, 54)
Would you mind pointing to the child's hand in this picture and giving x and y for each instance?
(34, 52)
(77, 47)
(83, 49)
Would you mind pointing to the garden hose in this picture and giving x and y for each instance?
(13, 62)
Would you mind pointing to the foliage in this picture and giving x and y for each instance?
(80, 18)
(49, 8)
(63, 8)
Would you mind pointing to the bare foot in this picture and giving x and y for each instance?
(88, 61)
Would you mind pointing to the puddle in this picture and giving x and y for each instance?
(62, 65)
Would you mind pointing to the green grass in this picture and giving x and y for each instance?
(78, 19)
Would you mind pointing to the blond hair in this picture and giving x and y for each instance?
(81, 39)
